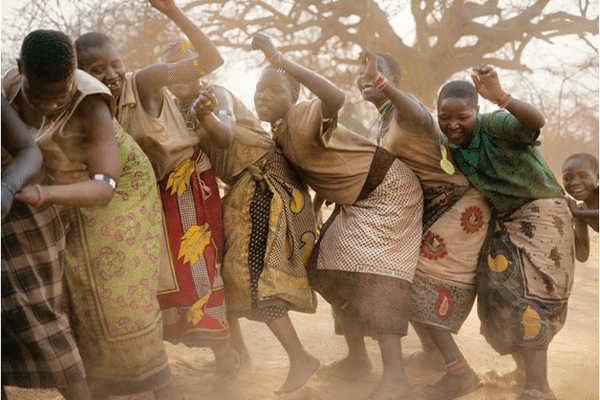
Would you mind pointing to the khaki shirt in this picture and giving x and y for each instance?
(166, 140)
(250, 143)
(335, 163)
(64, 151)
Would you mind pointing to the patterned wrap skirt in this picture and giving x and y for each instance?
(367, 253)
(444, 288)
(525, 276)
(112, 271)
(269, 236)
(191, 293)
(38, 345)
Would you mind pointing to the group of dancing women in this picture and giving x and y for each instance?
(115, 235)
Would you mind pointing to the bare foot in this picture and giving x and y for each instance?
(349, 369)
(453, 384)
(299, 373)
(228, 364)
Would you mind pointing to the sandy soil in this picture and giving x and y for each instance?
(573, 358)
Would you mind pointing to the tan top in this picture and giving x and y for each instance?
(250, 143)
(64, 151)
(166, 140)
(421, 152)
(335, 163)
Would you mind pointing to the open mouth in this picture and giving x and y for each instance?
(367, 87)
(115, 85)
(578, 192)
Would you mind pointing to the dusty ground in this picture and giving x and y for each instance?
(573, 357)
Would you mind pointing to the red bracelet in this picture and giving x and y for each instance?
(380, 81)
(42, 196)
(506, 101)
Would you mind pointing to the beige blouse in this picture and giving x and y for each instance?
(250, 143)
(421, 152)
(64, 151)
(335, 163)
(166, 140)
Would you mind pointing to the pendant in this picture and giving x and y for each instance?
(444, 163)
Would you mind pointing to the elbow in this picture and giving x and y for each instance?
(215, 62)
(541, 121)
(340, 99)
(105, 196)
(335, 101)
(105, 200)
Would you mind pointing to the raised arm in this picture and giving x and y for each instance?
(332, 98)
(488, 85)
(410, 115)
(214, 111)
(27, 157)
(151, 79)
(94, 118)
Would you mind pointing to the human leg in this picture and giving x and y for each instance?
(536, 371)
(227, 363)
(429, 356)
(166, 392)
(460, 379)
(394, 382)
(237, 342)
(302, 364)
(356, 364)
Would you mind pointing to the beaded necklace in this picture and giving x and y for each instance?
(275, 125)
(384, 110)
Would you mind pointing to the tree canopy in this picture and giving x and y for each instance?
(435, 40)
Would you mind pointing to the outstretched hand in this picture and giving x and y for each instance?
(164, 6)
(369, 60)
(206, 103)
(486, 82)
(263, 43)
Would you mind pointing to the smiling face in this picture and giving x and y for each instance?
(104, 64)
(273, 96)
(368, 90)
(49, 98)
(579, 179)
(457, 120)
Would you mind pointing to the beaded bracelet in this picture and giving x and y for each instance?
(42, 196)
(105, 178)
(11, 189)
(201, 72)
(380, 81)
(506, 101)
(172, 74)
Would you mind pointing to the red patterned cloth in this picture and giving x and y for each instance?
(191, 293)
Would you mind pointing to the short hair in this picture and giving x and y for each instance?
(590, 159)
(49, 55)
(459, 90)
(294, 84)
(88, 41)
(392, 64)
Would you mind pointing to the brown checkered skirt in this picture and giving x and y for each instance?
(38, 347)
